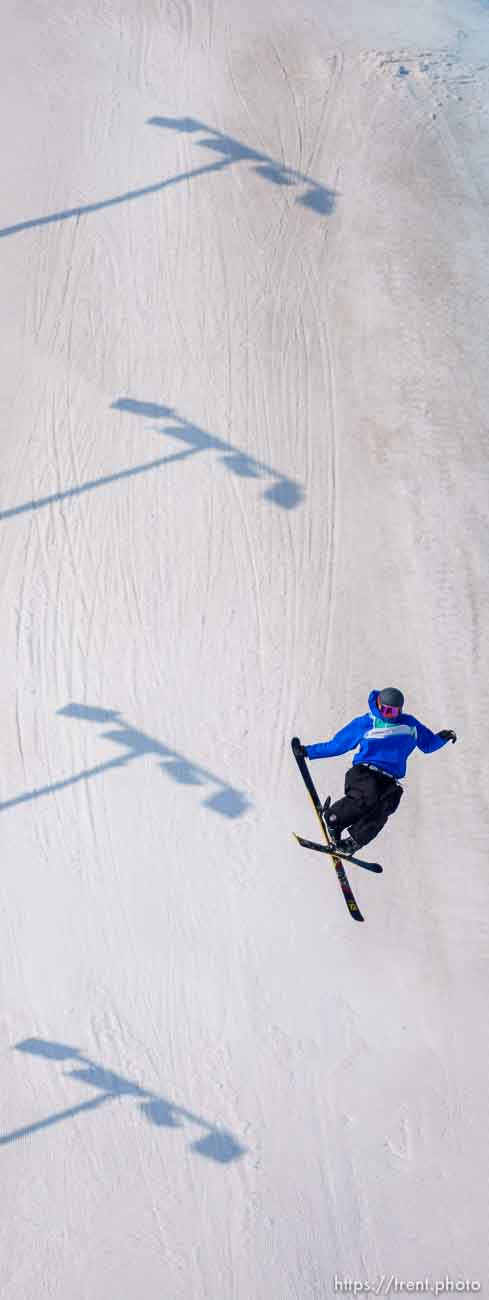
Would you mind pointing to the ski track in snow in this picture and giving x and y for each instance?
(244, 401)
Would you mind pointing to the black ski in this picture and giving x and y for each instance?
(342, 877)
(347, 857)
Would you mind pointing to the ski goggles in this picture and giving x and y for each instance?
(389, 710)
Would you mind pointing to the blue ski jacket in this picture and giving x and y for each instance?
(383, 742)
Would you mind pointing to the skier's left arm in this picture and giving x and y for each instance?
(430, 741)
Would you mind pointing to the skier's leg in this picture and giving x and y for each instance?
(360, 794)
(368, 826)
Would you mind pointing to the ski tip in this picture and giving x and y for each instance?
(353, 908)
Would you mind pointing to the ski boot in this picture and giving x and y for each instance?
(331, 824)
(348, 845)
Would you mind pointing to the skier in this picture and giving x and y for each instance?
(386, 737)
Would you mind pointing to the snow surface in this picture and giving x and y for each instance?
(244, 394)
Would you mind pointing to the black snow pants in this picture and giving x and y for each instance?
(370, 798)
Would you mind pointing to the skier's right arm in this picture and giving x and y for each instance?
(348, 738)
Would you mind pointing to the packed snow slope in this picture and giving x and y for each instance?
(244, 391)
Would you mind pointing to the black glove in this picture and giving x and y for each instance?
(448, 735)
(299, 750)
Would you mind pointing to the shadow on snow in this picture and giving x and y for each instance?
(215, 1144)
(225, 799)
(317, 198)
(284, 492)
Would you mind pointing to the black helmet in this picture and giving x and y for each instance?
(391, 697)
